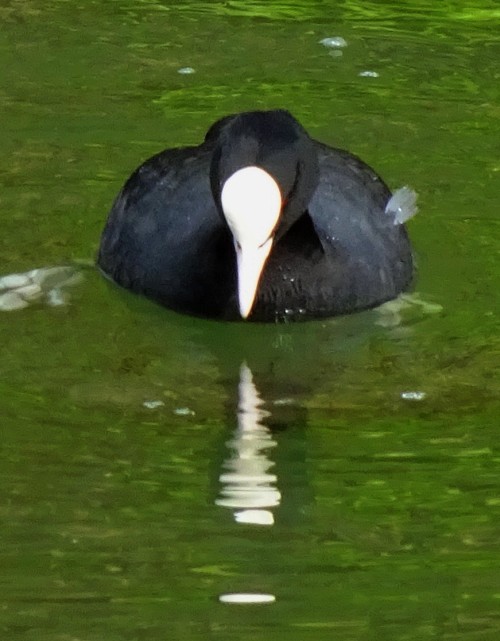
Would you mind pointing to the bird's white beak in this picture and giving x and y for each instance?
(250, 260)
(251, 203)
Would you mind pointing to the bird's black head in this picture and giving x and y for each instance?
(263, 173)
(275, 142)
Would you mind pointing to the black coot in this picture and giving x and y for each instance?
(260, 221)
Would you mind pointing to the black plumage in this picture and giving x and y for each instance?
(335, 251)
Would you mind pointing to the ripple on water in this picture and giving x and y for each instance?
(46, 284)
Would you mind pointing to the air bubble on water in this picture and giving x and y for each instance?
(153, 405)
(284, 401)
(183, 411)
(368, 74)
(413, 396)
(186, 71)
(333, 42)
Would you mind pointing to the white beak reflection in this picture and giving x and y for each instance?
(248, 487)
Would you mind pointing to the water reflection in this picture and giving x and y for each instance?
(249, 488)
(247, 597)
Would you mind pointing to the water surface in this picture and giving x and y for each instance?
(360, 489)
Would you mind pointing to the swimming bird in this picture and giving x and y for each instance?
(259, 222)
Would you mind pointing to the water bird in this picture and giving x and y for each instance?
(259, 222)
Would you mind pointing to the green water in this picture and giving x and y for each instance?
(119, 418)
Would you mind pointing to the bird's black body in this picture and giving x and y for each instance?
(335, 249)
